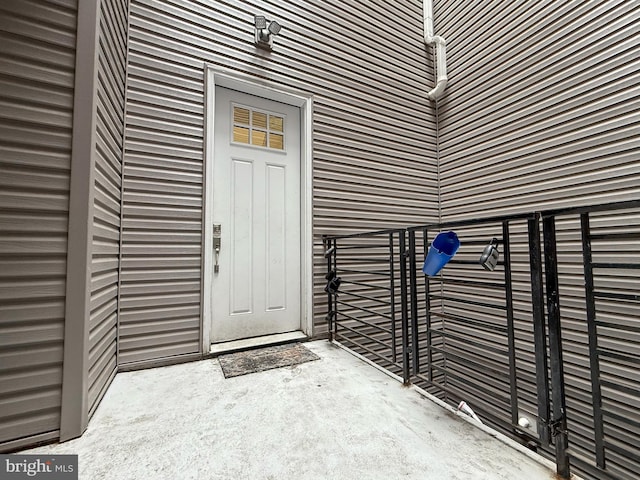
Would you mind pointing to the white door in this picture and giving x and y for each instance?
(256, 202)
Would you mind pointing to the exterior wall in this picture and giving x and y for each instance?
(37, 54)
(107, 197)
(374, 139)
(542, 111)
(529, 124)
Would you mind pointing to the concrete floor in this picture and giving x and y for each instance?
(335, 418)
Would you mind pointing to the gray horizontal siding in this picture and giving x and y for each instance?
(107, 197)
(37, 53)
(541, 111)
(555, 130)
(374, 139)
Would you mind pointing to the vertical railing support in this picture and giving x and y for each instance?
(335, 296)
(559, 422)
(327, 254)
(392, 298)
(508, 291)
(413, 290)
(594, 363)
(427, 306)
(406, 376)
(539, 333)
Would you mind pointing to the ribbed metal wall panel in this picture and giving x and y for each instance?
(107, 198)
(374, 139)
(37, 54)
(542, 111)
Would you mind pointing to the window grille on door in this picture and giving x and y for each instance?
(258, 128)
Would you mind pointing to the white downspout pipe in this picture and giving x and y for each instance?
(441, 51)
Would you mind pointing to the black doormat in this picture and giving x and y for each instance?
(259, 360)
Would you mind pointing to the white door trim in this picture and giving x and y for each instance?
(216, 77)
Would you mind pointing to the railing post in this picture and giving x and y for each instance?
(335, 296)
(594, 363)
(427, 303)
(392, 298)
(413, 289)
(406, 376)
(539, 333)
(330, 247)
(325, 243)
(508, 291)
(559, 422)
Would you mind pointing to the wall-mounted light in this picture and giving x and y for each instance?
(490, 255)
(265, 30)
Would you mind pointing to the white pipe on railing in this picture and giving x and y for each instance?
(441, 51)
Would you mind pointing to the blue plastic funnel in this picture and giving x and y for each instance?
(441, 250)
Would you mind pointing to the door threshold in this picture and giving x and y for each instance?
(255, 342)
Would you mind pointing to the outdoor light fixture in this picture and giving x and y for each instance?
(489, 257)
(265, 31)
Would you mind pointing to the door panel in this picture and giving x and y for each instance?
(276, 207)
(256, 201)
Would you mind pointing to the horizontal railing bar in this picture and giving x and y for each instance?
(467, 340)
(466, 302)
(469, 262)
(617, 296)
(498, 219)
(447, 354)
(476, 221)
(365, 297)
(370, 285)
(380, 342)
(369, 324)
(591, 208)
(621, 388)
(363, 260)
(603, 352)
(475, 283)
(374, 233)
(455, 391)
(479, 385)
(372, 312)
(470, 321)
(353, 247)
(343, 270)
(630, 454)
(615, 326)
(467, 243)
(626, 419)
(615, 236)
(366, 349)
(630, 266)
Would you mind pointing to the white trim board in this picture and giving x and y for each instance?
(214, 77)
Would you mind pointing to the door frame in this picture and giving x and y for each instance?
(214, 77)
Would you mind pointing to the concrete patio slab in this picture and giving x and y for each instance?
(334, 418)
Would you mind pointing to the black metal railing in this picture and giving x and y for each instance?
(495, 338)
(364, 304)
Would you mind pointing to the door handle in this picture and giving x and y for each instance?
(217, 234)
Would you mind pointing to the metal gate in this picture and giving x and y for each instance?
(495, 338)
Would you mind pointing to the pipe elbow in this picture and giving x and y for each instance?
(435, 40)
(436, 92)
